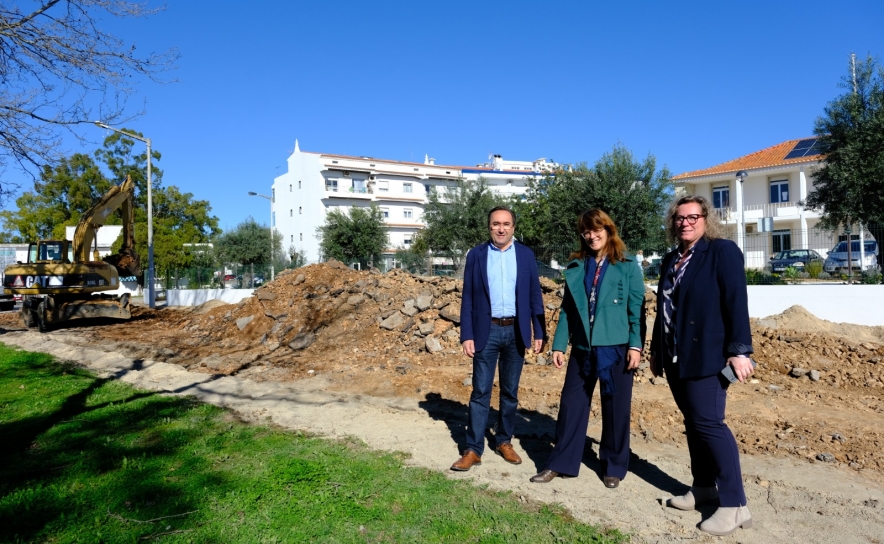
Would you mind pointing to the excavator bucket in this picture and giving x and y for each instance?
(126, 263)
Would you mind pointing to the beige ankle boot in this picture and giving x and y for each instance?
(726, 520)
(694, 496)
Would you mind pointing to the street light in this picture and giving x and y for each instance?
(150, 275)
(741, 177)
(252, 193)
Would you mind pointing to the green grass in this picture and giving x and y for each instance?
(83, 459)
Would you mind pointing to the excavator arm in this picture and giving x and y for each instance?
(119, 196)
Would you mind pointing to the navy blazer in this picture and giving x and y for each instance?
(712, 317)
(475, 307)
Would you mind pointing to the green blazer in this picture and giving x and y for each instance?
(618, 312)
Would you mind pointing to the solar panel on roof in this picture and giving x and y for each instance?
(805, 148)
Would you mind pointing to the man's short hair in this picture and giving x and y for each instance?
(499, 209)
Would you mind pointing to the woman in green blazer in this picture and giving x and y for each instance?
(601, 319)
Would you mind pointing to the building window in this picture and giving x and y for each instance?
(331, 185)
(779, 191)
(407, 213)
(299, 184)
(292, 238)
(385, 212)
(273, 195)
(290, 187)
(273, 219)
(407, 241)
(300, 210)
(302, 236)
(383, 186)
(406, 187)
(291, 213)
(721, 197)
(782, 240)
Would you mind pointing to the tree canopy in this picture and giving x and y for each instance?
(59, 69)
(65, 191)
(359, 236)
(457, 218)
(849, 186)
(633, 192)
(247, 244)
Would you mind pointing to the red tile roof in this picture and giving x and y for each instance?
(766, 158)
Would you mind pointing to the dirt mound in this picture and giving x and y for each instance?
(816, 392)
(205, 307)
(798, 319)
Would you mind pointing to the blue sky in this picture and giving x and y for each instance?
(694, 83)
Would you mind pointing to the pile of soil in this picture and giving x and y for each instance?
(815, 395)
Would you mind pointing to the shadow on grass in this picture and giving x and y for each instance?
(104, 452)
(536, 434)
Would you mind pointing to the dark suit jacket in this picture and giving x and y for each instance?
(712, 318)
(475, 308)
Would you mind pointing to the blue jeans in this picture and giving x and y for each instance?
(501, 347)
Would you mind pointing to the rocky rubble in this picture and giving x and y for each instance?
(397, 334)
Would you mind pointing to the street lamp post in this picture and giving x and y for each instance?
(252, 193)
(150, 271)
(741, 177)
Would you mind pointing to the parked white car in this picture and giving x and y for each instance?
(836, 262)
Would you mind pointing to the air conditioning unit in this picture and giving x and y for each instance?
(750, 229)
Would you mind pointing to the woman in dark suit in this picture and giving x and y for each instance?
(600, 317)
(702, 325)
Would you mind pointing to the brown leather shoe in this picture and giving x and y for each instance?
(611, 482)
(508, 453)
(468, 459)
(544, 476)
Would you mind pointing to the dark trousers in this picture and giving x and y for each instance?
(574, 418)
(501, 349)
(715, 459)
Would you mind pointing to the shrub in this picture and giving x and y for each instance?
(814, 269)
(870, 277)
(824, 276)
(791, 273)
(756, 276)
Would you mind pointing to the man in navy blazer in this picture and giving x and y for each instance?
(501, 306)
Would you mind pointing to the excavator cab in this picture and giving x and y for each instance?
(53, 251)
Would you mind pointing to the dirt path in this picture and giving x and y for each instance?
(792, 499)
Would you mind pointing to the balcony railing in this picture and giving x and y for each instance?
(751, 212)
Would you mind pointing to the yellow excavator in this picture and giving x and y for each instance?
(62, 281)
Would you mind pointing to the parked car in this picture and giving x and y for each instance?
(652, 270)
(796, 258)
(259, 280)
(836, 262)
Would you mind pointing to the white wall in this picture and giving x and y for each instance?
(195, 297)
(859, 304)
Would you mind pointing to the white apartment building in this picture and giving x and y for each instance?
(316, 183)
(778, 179)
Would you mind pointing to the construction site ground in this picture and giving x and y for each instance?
(340, 352)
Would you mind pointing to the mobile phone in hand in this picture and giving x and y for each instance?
(728, 371)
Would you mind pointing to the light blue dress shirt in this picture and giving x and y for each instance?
(502, 280)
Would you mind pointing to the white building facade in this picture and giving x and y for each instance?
(763, 211)
(316, 183)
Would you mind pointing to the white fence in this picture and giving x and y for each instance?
(195, 297)
(839, 303)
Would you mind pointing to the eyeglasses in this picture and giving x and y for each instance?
(689, 219)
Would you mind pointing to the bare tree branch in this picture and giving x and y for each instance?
(59, 70)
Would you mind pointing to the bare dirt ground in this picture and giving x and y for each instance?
(338, 352)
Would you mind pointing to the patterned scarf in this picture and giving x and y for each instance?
(669, 290)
